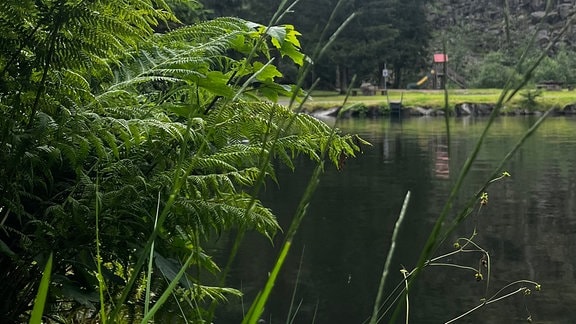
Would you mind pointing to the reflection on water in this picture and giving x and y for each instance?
(442, 162)
(528, 226)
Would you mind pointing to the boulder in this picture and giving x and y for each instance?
(564, 10)
(473, 109)
(537, 16)
(569, 109)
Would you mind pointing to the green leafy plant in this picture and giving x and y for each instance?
(125, 151)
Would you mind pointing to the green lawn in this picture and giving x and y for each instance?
(435, 98)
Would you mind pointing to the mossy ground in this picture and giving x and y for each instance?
(435, 98)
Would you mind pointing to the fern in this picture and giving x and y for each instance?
(88, 92)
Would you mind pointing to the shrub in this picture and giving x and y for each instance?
(494, 71)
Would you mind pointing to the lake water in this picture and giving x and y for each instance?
(528, 226)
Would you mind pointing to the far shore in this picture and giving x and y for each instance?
(433, 102)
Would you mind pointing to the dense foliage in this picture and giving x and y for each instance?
(393, 33)
(116, 141)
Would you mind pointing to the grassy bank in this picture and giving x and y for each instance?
(435, 98)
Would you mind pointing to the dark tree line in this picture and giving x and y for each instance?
(394, 33)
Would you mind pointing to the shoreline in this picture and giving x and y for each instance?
(462, 102)
(458, 110)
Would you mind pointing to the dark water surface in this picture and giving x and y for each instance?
(528, 226)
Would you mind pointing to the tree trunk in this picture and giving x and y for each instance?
(343, 80)
(397, 77)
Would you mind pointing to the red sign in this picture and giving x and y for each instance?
(440, 58)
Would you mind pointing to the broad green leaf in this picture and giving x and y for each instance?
(181, 110)
(278, 34)
(217, 83)
(293, 52)
(272, 90)
(269, 93)
(292, 35)
(268, 73)
(241, 45)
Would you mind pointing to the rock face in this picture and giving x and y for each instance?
(487, 19)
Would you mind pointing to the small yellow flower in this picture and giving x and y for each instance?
(538, 287)
(484, 199)
(456, 245)
(479, 276)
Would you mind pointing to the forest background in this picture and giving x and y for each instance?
(483, 39)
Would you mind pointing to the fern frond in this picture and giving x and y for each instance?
(226, 211)
(211, 293)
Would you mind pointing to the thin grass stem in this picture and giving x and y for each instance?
(180, 306)
(289, 317)
(404, 273)
(389, 256)
(296, 312)
(452, 265)
(522, 289)
(315, 312)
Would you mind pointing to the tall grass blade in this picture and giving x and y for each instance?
(321, 48)
(374, 318)
(150, 263)
(101, 283)
(319, 51)
(41, 296)
(168, 292)
(257, 307)
(266, 158)
(446, 105)
(296, 312)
